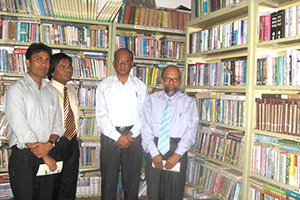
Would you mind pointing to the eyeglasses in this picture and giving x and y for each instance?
(63, 67)
(120, 62)
(168, 79)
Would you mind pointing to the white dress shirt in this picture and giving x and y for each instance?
(33, 114)
(119, 105)
(73, 97)
(184, 123)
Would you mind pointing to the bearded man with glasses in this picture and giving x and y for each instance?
(169, 124)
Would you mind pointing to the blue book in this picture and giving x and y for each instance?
(41, 7)
(291, 148)
(123, 41)
(292, 194)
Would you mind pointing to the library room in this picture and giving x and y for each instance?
(221, 77)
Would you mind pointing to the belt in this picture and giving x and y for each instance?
(123, 128)
(172, 140)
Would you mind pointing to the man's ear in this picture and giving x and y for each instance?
(27, 61)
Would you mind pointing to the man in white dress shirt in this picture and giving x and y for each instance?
(119, 100)
(60, 74)
(34, 115)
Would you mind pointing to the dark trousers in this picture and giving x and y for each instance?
(66, 181)
(23, 166)
(162, 184)
(111, 158)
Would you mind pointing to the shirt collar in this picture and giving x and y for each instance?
(173, 98)
(30, 81)
(59, 86)
(115, 78)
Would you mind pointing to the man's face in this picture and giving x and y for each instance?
(171, 81)
(123, 63)
(39, 64)
(63, 71)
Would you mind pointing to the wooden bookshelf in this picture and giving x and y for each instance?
(252, 50)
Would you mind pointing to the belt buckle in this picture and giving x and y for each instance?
(122, 128)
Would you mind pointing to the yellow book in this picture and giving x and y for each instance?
(153, 78)
(42, 33)
(147, 76)
(137, 15)
(292, 170)
(160, 18)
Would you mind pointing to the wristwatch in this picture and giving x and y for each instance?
(131, 135)
(53, 143)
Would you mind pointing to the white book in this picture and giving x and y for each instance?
(293, 21)
(298, 20)
(294, 54)
(286, 23)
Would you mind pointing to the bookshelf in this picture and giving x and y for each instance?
(87, 43)
(150, 46)
(212, 61)
(257, 176)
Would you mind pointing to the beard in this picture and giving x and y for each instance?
(169, 91)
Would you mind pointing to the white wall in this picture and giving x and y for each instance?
(162, 3)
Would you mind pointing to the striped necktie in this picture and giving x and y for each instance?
(69, 119)
(165, 130)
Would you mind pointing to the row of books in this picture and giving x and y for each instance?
(5, 188)
(87, 96)
(150, 72)
(225, 145)
(109, 11)
(218, 74)
(219, 181)
(278, 115)
(264, 191)
(89, 153)
(89, 65)
(53, 33)
(204, 7)
(194, 192)
(171, 19)
(12, 60)
(225, 35)
(277, 159)
(228, 109)
(4, 156)
(88, 127)
(75, 9)
(170, 46)
(280, 70)
(89, 184)
(279, 24)
(3, 125)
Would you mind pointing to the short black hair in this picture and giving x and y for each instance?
(123, 49)
(56, 58)
(164, 69)
(36, 48)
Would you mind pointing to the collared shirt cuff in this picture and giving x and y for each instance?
(59, 131)
(154, 152)
(115, 136)
(30, 138)
(180, 151)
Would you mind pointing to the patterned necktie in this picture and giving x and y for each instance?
(165, 130)
(69, 119)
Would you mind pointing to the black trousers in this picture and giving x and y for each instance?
(130, 160)
(23, 166)
(162, 184)
(66, 181)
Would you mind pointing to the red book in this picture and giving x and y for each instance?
(267, 28)
(127, 14)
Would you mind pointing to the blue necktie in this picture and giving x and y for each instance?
(165, 130)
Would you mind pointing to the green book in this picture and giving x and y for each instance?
(122, 13)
